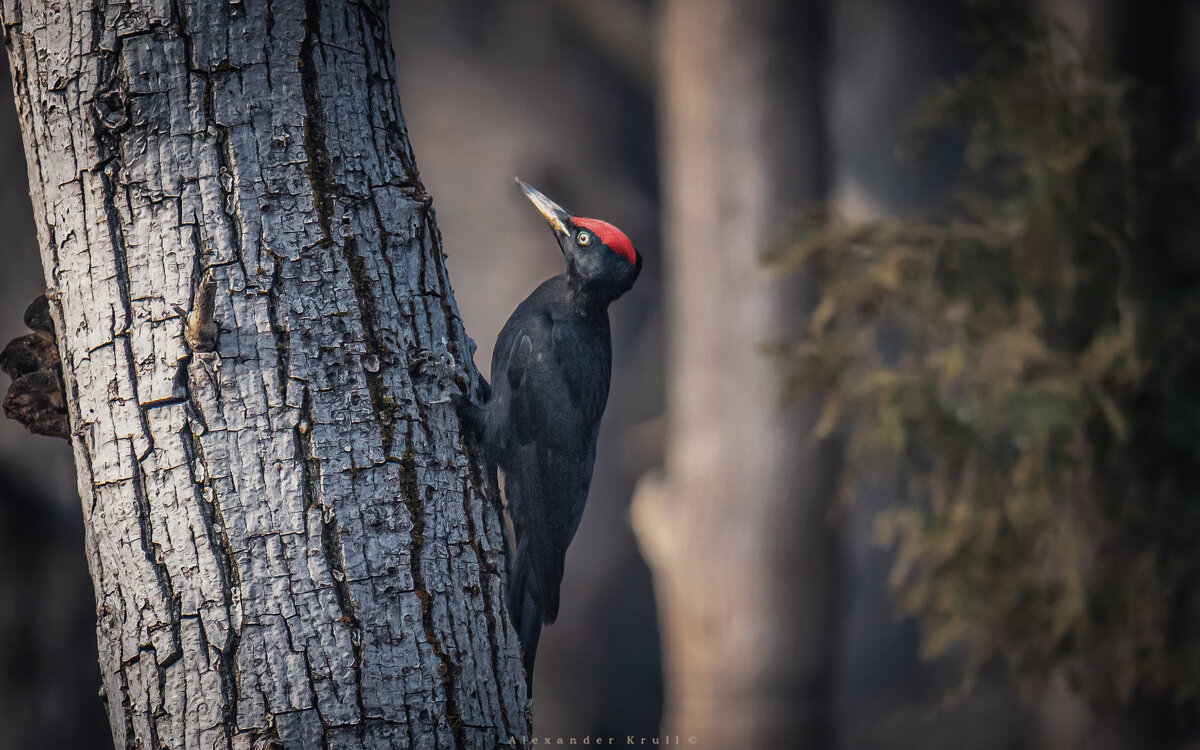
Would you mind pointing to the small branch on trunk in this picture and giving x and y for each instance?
(36, 397)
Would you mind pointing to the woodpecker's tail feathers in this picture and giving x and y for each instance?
(536, 568)
(524, 610)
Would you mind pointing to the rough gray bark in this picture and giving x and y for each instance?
(736, 530)
(288, 538)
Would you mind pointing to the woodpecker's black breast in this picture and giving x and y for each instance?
(550, 375)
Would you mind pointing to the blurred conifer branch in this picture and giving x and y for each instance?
(1029, 363)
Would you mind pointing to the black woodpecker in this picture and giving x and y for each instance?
(539, 419)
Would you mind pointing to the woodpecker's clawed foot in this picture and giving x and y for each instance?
(442, 368)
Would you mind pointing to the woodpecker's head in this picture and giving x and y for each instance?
(600, 258)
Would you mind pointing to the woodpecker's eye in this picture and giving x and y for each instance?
(584, 239)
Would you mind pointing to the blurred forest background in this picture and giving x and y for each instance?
(905, 413)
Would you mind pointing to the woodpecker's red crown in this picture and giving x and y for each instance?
(614, 238)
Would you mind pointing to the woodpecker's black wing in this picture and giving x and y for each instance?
(555, 377)
(558, 386)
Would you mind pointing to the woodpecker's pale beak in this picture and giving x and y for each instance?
(553, 212)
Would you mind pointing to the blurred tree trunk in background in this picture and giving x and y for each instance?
(736, 531)
(287, 539)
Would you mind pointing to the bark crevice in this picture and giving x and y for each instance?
(447, 669)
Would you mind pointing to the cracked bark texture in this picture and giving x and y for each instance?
(291, 544)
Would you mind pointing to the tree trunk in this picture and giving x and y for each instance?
(736, 530)
(288, 539)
